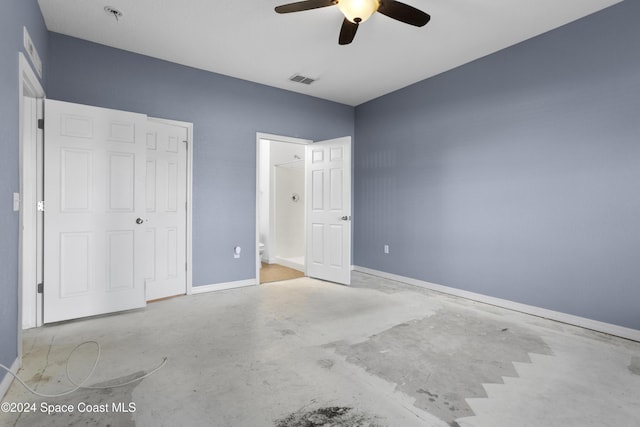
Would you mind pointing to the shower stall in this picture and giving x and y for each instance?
(289, 218)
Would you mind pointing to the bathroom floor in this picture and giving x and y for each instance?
(277, 272)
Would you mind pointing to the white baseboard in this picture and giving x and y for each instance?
(289, 264)
(607, 328)
(222, 286)
(8, 378)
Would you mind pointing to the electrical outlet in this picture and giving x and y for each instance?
(386, 249)
(236, 251)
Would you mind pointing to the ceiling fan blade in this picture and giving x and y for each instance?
(347, 32)
(403, 13)
(304, 5)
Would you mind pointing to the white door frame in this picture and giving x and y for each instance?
(276, 138)
(28, 299)
(190, 140)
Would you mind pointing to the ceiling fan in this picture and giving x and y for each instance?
(357, 11)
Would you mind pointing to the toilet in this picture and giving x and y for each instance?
(260, 251)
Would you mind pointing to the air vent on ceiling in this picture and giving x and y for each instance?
(301, 79)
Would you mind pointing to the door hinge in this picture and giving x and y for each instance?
(41, 124)
(40, 206)
(40, 288)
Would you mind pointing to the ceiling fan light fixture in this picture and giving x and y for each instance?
(358, 11)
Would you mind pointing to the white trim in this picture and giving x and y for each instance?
(290, 264)
(270, 137)
(223, 286)
(8, 378)
(28, 215)
(607, 328)
(40, 216)
(280, 138)
(28, 85)
(190, 143)
(31, 50)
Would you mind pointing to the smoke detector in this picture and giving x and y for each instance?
(112, 11)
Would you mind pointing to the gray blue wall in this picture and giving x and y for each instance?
(226, 113)
(14, 16)
(515, 176)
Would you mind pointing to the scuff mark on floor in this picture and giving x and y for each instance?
(432, 396)
(338, 416)
(634, 366)
(326, 363)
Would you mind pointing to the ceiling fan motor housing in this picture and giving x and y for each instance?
(358, 11)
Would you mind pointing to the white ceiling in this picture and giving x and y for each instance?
(248, 40)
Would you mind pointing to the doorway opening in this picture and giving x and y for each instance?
(280, 209)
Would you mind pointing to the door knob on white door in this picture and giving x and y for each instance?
(139, 221)
(346, 218)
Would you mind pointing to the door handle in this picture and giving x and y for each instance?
(346, 218)
(139, 221)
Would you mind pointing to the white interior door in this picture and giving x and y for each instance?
(328, 177)
(166, 210)
(94, 164)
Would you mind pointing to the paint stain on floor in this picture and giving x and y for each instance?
(326, 363)
(106, 406)
(334, 416)
(443, 359)
(634, 366)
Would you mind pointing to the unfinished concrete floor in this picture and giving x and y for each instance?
(307, 353)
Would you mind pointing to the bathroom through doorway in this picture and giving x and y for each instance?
(280, 210)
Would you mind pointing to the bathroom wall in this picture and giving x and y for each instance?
(289, 218)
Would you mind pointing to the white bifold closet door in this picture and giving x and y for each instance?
(95, 205)
(166, 210)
